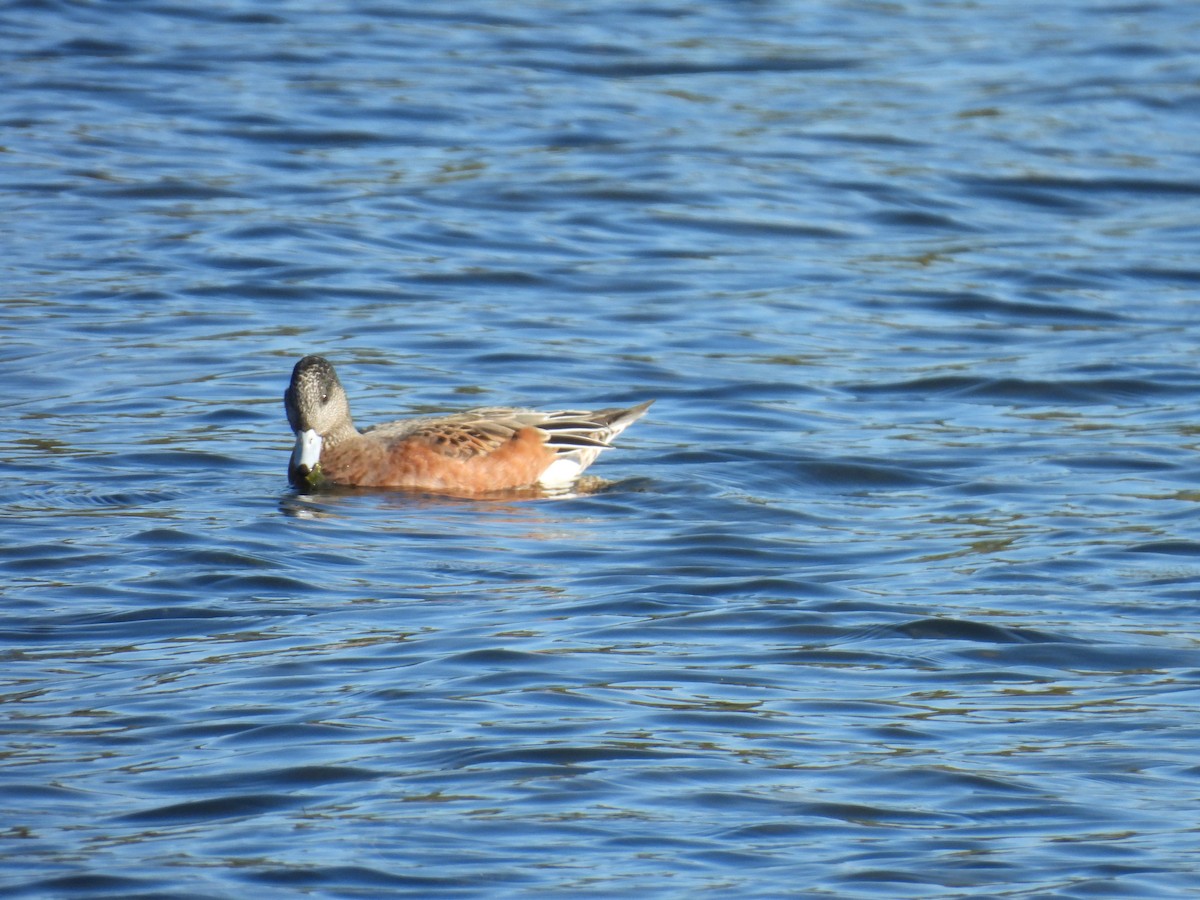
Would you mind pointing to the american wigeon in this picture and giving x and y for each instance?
(477, 451)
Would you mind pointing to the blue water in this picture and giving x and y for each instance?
(892, 594)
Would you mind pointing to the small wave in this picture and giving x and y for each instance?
(938, 629)
(165, 189)
(238, 807)
(658, 68)
(974, 303)
(1169, 548)
(82, 499)
(1031, 391)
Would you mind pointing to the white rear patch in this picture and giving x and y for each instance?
(560, 472)
(307, 451)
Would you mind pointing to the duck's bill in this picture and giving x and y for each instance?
(306, 457)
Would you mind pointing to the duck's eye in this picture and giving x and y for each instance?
(324, 399)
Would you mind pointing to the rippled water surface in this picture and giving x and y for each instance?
(893, 593)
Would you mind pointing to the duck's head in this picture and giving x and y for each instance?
(319, 412)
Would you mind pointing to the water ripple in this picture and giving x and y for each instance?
(900, 569)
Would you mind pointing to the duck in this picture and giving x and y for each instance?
(478, 451)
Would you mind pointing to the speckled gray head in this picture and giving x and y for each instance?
(312, 380)
(319, 413)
